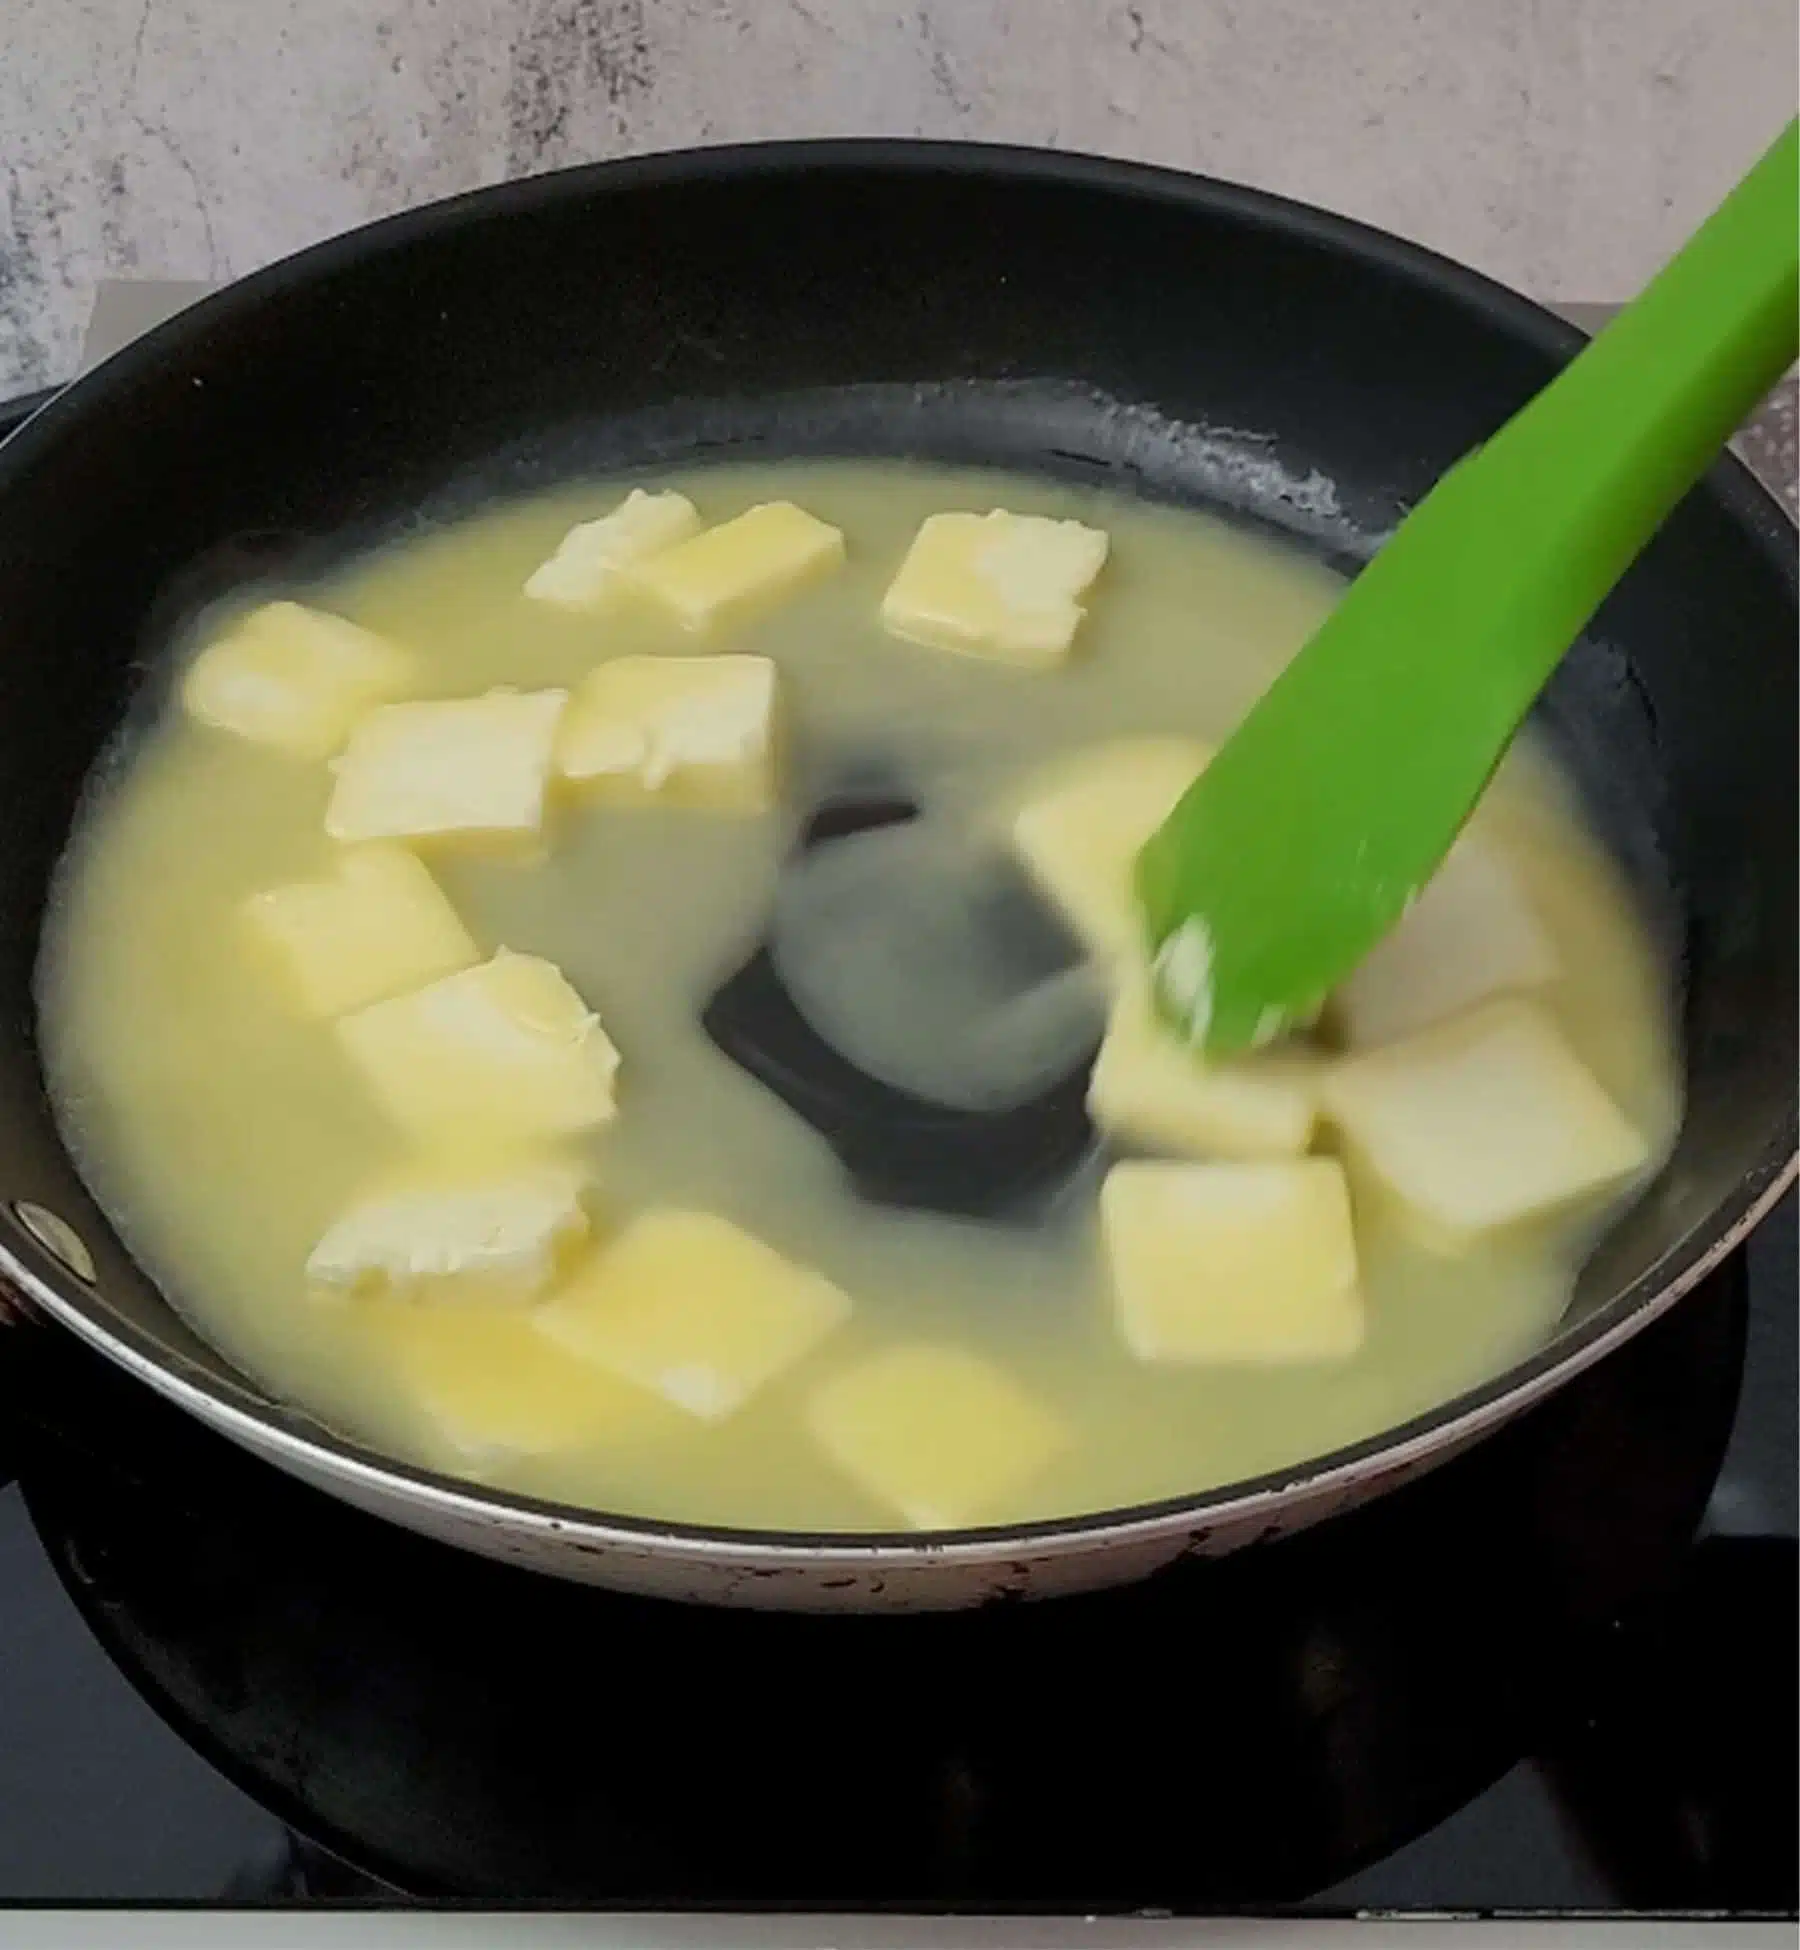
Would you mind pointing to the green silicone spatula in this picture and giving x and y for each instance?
(1336, 798)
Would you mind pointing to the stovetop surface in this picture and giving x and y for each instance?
(1558, 1674)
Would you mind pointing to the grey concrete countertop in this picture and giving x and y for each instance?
(1770, 444)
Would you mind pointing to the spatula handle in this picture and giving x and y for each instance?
(1567, 493)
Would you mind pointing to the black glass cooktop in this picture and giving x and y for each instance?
(1559, 1673)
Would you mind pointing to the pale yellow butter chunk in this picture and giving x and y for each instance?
(294, 678)
(1153, 1089)
(493, 1235)
(1239, 1262)
(377, 925)
(936, 1434)
(503, 1053)
(1481, 1122)
(585, 571)
(1470, 935)
(683, 731)
(728, 574)
(488, 1388)
(1079, 832)
(694, 1309)
(471, 768)
(996, 585)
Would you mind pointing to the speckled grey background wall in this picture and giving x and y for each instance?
(1563, 145)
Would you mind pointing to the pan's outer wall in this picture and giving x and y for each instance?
(996, 301)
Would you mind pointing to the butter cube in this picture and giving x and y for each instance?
(471, 768)
(1079, 833)
(1482, 1122)
(294, 678)
(378, 925)
(682, 731)
(726, 575)
(692, 1308)
(933, 1432)
(585, 571)
(996, 585)
(1470, 935)
(494, 1235)
(502, 1053)
(490, 1389)
(1151, 1088)
(1233, 1262)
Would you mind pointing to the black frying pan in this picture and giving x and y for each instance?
(1090, 319)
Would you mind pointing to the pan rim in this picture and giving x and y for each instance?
(1194, 1515)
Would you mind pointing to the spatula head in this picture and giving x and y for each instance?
(1304, 840)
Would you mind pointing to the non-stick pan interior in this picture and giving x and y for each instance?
(1193, 342)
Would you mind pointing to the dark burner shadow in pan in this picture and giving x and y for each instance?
(898, 1149)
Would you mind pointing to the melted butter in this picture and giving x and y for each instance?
(225, 1134)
